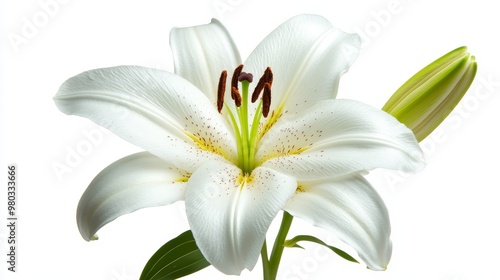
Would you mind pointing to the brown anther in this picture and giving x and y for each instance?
(221, 88)
(270, 76)
(234, 92)
(236, 96)
(267, 77)
(234, 79)
(266, 100)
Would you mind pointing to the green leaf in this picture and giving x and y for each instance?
(293, 243)
(177, 258)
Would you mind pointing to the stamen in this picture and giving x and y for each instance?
(221, 90)
(266, 100)
(236, 75)
(258, 88)
(267, 77)
(236, 96)
(246, 129)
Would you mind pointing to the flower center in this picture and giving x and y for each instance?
(247, 134)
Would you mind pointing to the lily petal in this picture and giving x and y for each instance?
(230, 214)
(201, 53)
(297, 51)
(156, 110)
(350, 208)
(338, 137)
(129, 184)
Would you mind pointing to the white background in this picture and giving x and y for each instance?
(445, 219)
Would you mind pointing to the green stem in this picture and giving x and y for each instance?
(265, 261)
(274, 261)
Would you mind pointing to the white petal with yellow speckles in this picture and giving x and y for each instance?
(129, 184)
(229, 214)
(156, 110)
(338, 137)
(350, 208)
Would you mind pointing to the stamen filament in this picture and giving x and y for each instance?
(237, 131)
(254, 134)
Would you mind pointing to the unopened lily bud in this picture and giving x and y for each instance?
(428, 97)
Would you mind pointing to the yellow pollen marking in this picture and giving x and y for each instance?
(206, 145)
(298, 151)
(275, 115)
(285, 153)
(300, 189)
(182, 180)
(244, 180)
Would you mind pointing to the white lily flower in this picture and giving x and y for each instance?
(235, 168)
